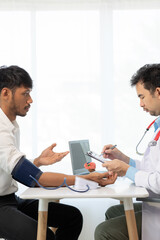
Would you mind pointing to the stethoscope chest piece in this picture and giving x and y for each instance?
(152, 143)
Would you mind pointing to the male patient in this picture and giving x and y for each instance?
(18, 218)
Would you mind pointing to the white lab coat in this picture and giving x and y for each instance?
(150, 221)
(148, 176)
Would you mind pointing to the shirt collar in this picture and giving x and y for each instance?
(157, 124)
(11, 125)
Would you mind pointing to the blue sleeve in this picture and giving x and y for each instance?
(132, 162)
(131, 173)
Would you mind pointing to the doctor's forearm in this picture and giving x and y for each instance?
(125, 159)
(121, 156)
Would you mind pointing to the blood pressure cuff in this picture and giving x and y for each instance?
(23, 171)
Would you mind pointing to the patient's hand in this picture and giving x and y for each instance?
(49, 157)
(102, 178)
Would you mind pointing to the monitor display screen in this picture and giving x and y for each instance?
(78, 151)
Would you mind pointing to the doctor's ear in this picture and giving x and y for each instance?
(157, 91)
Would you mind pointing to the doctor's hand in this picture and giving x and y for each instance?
(116, 166)
(49, 157)
(114, 153)
(102, 178)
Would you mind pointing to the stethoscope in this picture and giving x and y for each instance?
(153, 142)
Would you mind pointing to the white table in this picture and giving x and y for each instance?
(122, 190)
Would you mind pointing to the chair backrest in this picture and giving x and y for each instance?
(149, 199)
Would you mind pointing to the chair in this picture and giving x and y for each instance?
(149, 199)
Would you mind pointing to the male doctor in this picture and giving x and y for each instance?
(144, 173)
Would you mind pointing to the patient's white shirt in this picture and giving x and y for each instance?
(9, 153)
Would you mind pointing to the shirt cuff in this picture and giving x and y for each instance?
(132, 162)
(131, 173)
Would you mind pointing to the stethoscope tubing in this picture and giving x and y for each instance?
(141, 154)
(153, 142)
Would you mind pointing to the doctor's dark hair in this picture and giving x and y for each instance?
(149, 75)
(13, 76)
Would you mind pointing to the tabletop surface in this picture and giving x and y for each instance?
(122, 188)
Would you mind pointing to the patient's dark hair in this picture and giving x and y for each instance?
(149, 75)
(13, 76)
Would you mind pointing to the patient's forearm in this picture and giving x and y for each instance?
(50, 179)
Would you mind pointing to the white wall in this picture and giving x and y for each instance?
(93, 211)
